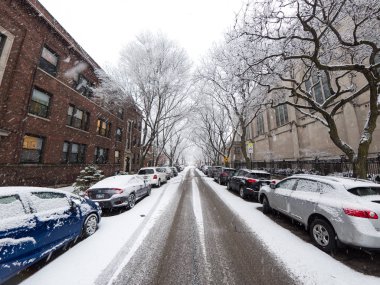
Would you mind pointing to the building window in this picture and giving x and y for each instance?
(120, 113)
(103, 128)
(73, 152)
(119, 134)
(317, 86)
(32, 147)
(39, 105)
(100, 155)
(77, 118)
(281, 115)
(3, 38)
(49, 61)
(117, 156)
(83, 86)
(260, 124)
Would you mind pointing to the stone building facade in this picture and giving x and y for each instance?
(51, 125)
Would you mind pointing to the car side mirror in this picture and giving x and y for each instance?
(273, 186)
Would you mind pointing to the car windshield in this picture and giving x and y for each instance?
(365, 191)
(146, 171)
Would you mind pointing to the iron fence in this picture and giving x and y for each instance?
(316, 166)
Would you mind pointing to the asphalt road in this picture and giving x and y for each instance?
(207, 245)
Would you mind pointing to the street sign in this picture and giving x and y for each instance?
(226, 159)
(250, 147)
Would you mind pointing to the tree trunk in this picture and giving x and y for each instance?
(243, 146)
(360, 167)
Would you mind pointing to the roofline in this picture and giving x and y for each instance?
(42, 12)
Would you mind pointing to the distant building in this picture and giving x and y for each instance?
(51, 125)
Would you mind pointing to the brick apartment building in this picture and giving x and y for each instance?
(50, 123)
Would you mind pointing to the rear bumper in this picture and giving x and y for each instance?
(113, 203)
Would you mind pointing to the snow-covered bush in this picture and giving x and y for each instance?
(87, 177)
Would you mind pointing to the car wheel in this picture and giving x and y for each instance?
(323, 235)
(148, 192)
(266, 207)
(242, 193)
(159, 183)
(220, 181)
(131, 200)
(228, 185)
(90, 225)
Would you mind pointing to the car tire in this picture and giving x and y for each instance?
(323, 235)
(131, 200)
(148, 192)
(242, 193)
(266, 207)
(90, 225)
(159, 183)
(228, 186)
(220, 181)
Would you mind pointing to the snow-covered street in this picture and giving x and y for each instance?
(192, 230)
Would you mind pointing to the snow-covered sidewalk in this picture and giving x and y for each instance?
(303, 260)
(87, 260)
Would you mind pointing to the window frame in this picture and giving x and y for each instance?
(84, 125)
(46, 65)
(260, 124)
(107, 130)
(282, 117)
(118, 158)
(97, 155)
(3, 39)
(80, 155)
(36, 104)
(83, 89)
(317, 85)
(119, 137)
(41, 150)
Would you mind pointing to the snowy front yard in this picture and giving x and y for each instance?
(113, 244)
(303, 260)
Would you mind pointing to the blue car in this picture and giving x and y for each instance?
(34, 222)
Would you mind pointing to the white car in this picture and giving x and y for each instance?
(119, 191)
(153, 176)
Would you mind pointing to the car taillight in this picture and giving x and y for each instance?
(224, 174)
(155, 176)
(251, 181)
(118, 190)
(361, 213)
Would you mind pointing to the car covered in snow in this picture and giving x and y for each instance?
(153, 175)
(119, 191)
(334, 210)
(34, 222)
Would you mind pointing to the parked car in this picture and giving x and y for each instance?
(119, 191)
(165, 170)
(215, 172)
(153, 176)
(34, 222)
(175, 171)
(224, 175)
(334, 210)
(248, 182)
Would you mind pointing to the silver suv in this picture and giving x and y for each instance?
(331, 208)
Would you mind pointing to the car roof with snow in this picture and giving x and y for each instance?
(348, 183)
(9, 190)
(118, 181)
(255, 171)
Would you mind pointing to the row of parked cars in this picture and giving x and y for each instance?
(35, 221)
(336, 211)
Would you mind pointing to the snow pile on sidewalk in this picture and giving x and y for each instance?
(309, 264)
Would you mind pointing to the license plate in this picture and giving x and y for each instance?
(145, 177)
(100, 196)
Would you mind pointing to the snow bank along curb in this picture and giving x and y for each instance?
(309, 264)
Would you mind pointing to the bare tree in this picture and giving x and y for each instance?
(228, 82)
(154, 72)
(318, 56)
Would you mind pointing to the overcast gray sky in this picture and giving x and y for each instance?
(102, 28)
